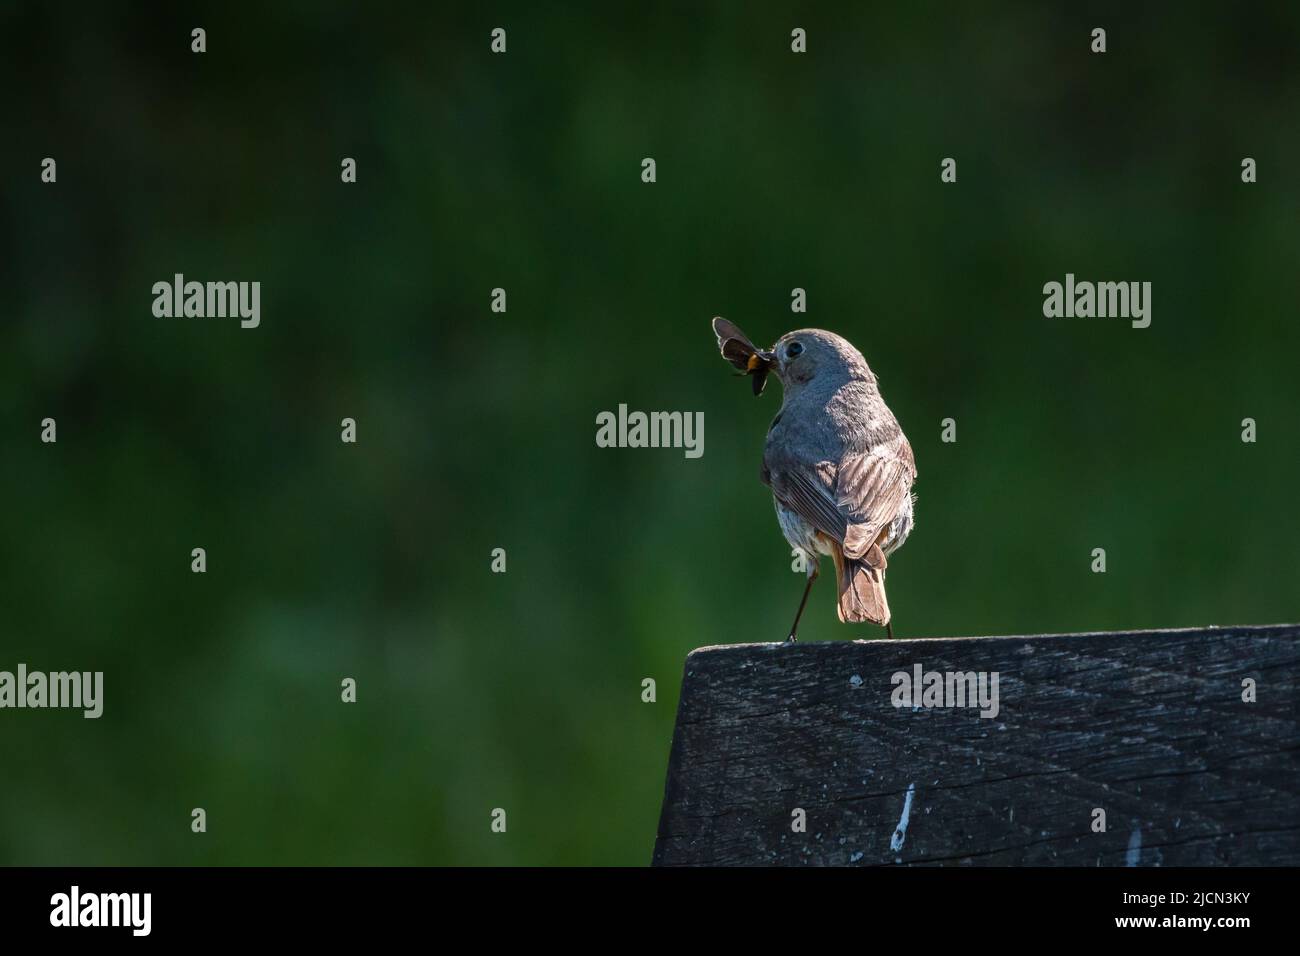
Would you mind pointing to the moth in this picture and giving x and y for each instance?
(743, 354)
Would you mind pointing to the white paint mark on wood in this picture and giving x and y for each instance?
(900, 833)
(1134, 851)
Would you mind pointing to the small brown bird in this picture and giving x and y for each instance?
(839, 467)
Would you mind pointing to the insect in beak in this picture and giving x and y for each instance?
(737, 349)
(759, 364)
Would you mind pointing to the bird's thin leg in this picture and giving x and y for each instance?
(889, 629)
(816, 569)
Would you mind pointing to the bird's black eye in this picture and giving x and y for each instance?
(793, 349)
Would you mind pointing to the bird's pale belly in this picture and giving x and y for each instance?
(798, 532)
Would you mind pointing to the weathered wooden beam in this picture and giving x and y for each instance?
(1149, 727)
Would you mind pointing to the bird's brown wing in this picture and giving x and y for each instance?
(852, 500)
(804, 490)
(871, 489)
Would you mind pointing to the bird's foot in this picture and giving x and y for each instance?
(791, 639)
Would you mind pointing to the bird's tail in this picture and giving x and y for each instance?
(862, 589)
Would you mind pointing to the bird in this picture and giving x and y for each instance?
(838, 464)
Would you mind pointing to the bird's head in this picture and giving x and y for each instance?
(800, 356)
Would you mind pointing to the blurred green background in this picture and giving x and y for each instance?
(476, 431)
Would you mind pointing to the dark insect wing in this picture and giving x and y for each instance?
(738, 353)
(734, 344)
(737, 349)
(725, 329)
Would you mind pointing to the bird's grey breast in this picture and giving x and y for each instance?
(816, 425)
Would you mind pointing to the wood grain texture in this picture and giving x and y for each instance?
(1149, 726)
